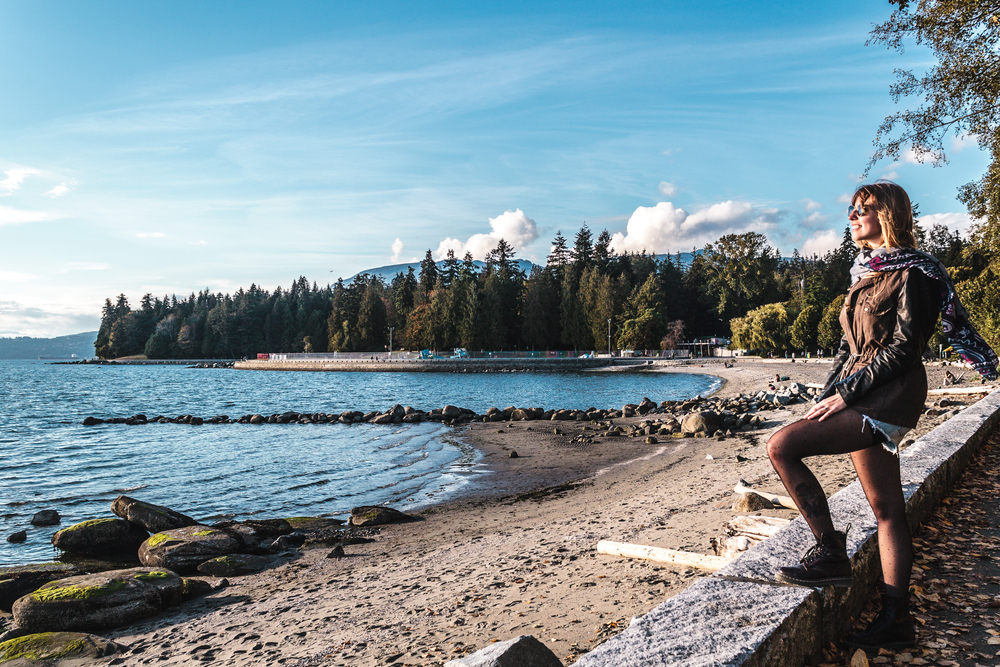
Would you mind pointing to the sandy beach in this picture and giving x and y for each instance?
(515, 555)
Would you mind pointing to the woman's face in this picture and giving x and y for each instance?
(864, 223)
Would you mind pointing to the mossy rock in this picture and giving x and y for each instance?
(101, 537)
(376, 515)
(97, 601)
(233, 565)
(307, 524)
(184, 549)
(154, 518)
(16, 582)
(53, 648)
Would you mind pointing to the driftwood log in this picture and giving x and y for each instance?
(659, 555)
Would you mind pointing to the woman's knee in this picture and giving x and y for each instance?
(779, 447)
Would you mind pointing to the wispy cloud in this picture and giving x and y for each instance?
(13, 216)
(811, 205)
(85, 266)
(15, 177)
(150, 235)
(960, 222)
(397, 249)
(667, 188)
(15, 277)
(62, 189)
(18, 319)
(820, 243)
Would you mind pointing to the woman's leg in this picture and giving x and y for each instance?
(841, 433)
(878, 471)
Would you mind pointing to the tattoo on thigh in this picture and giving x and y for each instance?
(811, 499)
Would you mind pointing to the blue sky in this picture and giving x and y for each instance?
(172, 147)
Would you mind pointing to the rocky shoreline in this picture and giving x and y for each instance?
(697, 416)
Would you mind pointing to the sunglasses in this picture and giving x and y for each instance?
(860, 209)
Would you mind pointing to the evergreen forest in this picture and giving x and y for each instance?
(738, 287)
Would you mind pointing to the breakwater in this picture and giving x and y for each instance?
(431, 365)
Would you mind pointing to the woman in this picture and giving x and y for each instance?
(873, 396)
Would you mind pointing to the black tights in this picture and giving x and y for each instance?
(842, 433)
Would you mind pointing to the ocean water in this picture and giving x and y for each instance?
(49, 460)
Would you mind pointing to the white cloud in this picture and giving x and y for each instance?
(397, 248)
(15, 277)
(61, 189)
(666, 228)
(815, 219)
(13, 216)
(890, 175)
(18, 319)
(85, 266)
(960, 222)
(199, 242)
(820, 243)
(514, 227)
(811, 205)
(667, 189)
(963, 141)
(15, 177)
(150, 235)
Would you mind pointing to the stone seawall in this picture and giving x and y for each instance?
(428, 366)
(742, 617)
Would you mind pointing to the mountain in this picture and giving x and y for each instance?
(387, 273)
(62, 347)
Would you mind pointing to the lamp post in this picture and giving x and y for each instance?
(609, 336)
(390, 342)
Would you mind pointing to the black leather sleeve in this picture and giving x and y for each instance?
(917, 308)
(843, 353)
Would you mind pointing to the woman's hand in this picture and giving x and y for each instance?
(827, 407)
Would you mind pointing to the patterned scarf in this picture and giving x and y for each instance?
(962, 337)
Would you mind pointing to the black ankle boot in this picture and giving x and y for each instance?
(891, 629)
(825, 564)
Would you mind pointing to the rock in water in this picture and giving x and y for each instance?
(184, 549)
(153, 518)
(233, 565)
(702, 422)
(101, 537)
(18, 537)
(751, 502)
(372, 515)
(46, 518)
(98, 601)
(52, 648)
(523, 651)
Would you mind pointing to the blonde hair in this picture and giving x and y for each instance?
(895, 213)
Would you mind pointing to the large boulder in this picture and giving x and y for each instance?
(702, 422)
(101, 537)
(233, 565)
(184, 549)
(55, 648)
(97, 601)
(154, 518)
(646, 406)
(374, 515)
(451, 412)
(523, 651)
(18, 581)
(520, 415)
(255, 534)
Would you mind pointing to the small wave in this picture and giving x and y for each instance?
(127, 489)
(307, 485)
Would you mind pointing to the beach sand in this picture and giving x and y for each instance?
(515, 555)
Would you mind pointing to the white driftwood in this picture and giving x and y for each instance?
(962, 390)
(754, 527)
(683, 558)
(784, 501)
(815, 385)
